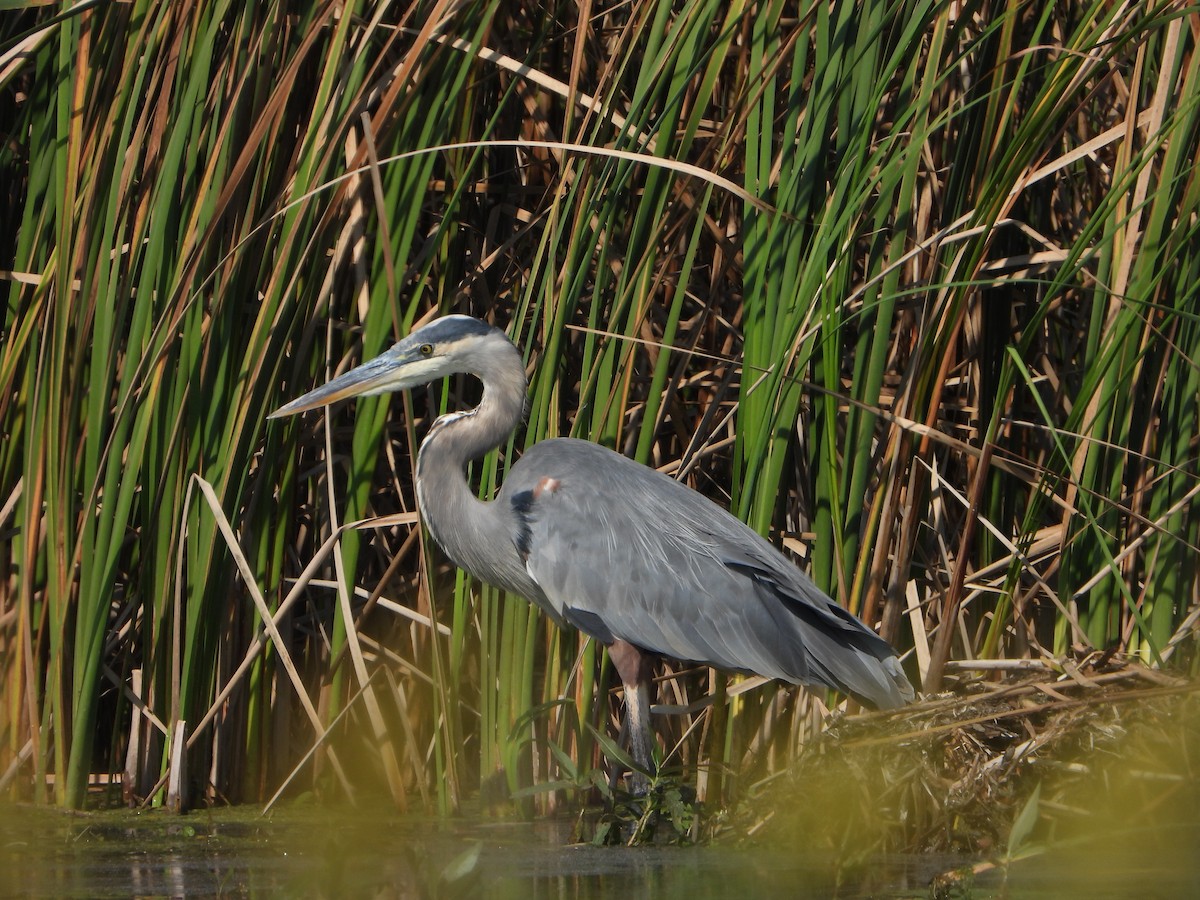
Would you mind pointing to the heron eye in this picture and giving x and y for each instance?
(427, 349)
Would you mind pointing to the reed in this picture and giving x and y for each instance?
(908, 286)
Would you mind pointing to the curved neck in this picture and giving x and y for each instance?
(472, 533)
(460, 437)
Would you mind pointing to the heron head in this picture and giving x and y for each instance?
(445, 346)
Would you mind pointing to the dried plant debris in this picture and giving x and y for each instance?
(995, 768)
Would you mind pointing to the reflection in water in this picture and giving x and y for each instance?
(46, 854)
(321, 854)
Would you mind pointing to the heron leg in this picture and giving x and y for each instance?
(636, 668)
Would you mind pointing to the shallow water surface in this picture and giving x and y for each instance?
(44, 853)
(316, 853)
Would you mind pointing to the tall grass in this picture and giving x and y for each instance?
(920, 306)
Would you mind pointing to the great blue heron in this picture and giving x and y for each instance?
(627, 555)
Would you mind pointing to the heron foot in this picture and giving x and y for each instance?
(637, 784)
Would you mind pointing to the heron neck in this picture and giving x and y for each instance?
(459, 437)
(471, 532)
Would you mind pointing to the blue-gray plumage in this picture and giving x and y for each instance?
(627, 555)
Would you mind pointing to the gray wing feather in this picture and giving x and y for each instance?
(622, 551)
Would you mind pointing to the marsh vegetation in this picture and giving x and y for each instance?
(909, 287)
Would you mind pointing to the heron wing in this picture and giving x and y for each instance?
(622, 551)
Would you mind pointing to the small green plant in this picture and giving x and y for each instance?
(666, 812)
(637, 813)
(1019, 845)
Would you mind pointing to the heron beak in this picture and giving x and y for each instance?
(375, 376)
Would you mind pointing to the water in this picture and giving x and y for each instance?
(319, 853)
(44, 853)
